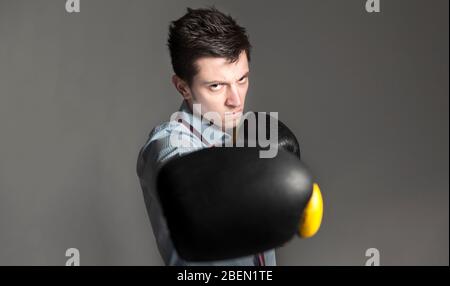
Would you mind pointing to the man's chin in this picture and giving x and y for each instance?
(232, 123)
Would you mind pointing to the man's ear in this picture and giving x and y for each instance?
(182, 87)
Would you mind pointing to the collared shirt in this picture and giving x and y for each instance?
(157, 150)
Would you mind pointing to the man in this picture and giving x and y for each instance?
(210, 56)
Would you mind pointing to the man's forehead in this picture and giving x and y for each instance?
(221, 69)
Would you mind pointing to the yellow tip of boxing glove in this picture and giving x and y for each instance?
(312, 214)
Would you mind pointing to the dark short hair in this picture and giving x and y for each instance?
(204, 32)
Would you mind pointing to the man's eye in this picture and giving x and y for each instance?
(243, 80)
(215, 87)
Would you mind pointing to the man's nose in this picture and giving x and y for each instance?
(233, 97)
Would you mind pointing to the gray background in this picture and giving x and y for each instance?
(367, 95)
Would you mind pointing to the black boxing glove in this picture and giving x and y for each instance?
(223, 203)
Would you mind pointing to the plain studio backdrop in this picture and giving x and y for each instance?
(366, 93)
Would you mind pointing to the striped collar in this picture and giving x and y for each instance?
(211, 133)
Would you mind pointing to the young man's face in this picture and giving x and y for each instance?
(220, 86)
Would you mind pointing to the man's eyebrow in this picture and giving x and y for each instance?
(212, 82)
(219, 81)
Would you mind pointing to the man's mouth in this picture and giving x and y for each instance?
(233, 114)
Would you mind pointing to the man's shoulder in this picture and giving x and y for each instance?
(171, 136)
(166, 130)
(157, 144)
